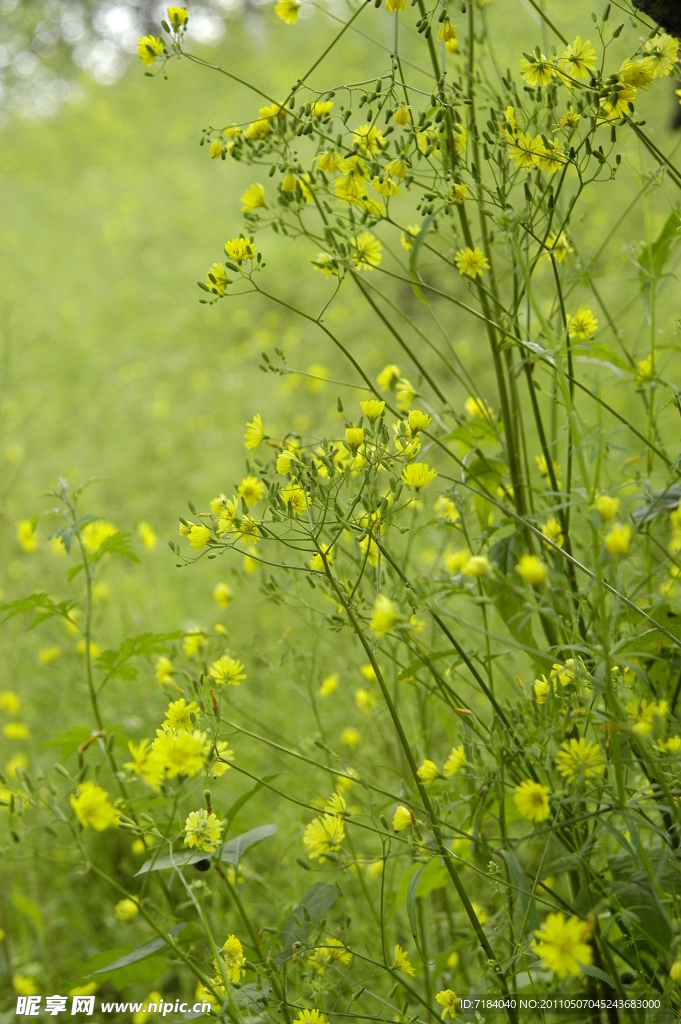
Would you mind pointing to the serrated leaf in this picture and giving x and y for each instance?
(117, 544)
(40, 603)
(144, 644)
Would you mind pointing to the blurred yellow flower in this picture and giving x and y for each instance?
(287, 10)
(92, 808)
(147, 535)
(532, 800)
(27, 536)
(253, 198)
(126, 909)
(149, 48)
(402, 818)
(255, 434)
(329, 685)
(222, 594)
(618, 539)
(532, 570)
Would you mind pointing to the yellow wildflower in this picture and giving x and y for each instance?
(227, 671)
(618, 539)
(477, 566)
(145, 763)
(402, 962)
(323, 835)
(402, 818)
(455, 762)
(532, 570)
(388, 377)
(92, 808)
(428, 772)
(27, 536)
(536, 71)
(643, 714)
(329, 685)
(606, 507)
(202, 830)
(181, 753)
(126, 910)
(147, 535)
(578, 759)
(384, 615)
(178, 17)
(561, 944)
(532, 800)
(222, 594)
(240, 249)
(369, 138)
(448, 1000)
(287, 10)
(582, 325)
(664, 52)
(350, 737)
(232, 956)
(367, 251)
(471, 262)
(164, 670)
(418, 475)
(149, 48)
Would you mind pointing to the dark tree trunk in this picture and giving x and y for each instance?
(666, 13)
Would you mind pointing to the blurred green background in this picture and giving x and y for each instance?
(111, 368)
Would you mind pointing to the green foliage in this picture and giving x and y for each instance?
(448, 677)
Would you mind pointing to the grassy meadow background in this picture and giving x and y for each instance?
(111, 368)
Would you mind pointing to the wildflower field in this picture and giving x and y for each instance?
(340, 523)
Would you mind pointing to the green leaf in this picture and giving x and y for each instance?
(309, 912)
(230, 852)
(41, 604)
(654, 257)
(435, 876)
(663, 501)
(505, 555)
(68, 741)
(411, 905)
(245, 797)
(252, 998)
(117, 544)
(113, 662)
(523, 891)
(476, 434)
(142, 952)
(643, 914)
(414, 255)
(30, 910)
(596, 972)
